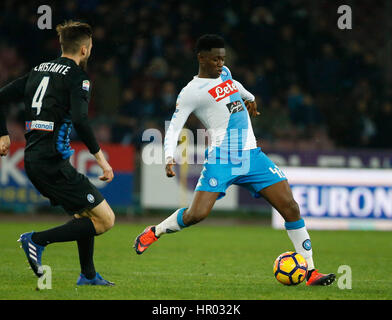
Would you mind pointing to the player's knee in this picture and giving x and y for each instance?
(104, 223)
(109, 221)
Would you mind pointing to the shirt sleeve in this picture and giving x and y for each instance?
(245, 94)
(80, 98)
(12, 92)
(185, 105)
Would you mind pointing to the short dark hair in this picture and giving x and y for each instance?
(72, 34)
(208, 41)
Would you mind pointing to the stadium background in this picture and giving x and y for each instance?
(321, 90)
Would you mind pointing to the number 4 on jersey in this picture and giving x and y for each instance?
(39, 94)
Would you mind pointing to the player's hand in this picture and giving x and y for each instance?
(5, 143)
(108, 174)
(252, 108)
(169, 167)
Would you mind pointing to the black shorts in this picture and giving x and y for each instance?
(64, 186)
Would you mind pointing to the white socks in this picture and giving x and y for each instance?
(171, 224)
(300, 237)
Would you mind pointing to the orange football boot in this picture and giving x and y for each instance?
(145, 239)
(315, 278)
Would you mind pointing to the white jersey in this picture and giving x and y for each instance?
(219, 105)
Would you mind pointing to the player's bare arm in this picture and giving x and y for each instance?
(106, 168)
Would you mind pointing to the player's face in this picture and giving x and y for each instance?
(213, 61)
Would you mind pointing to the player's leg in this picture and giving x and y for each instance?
(267, 180)
(73, 191)
(34, 243)
(64, 186)
(76, 194)
(200, 208)
(89, 223)
(214, 179)
(81, 228)
(73, 230)
(103, 218)
(86, 257)
(279, 195)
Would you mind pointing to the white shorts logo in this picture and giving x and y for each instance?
(213, 182)
(90, 198)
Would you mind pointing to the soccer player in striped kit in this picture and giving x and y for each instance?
(224, 107)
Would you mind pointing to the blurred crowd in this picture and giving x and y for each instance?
(317, 87)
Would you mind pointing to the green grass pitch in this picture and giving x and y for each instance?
(202, 262)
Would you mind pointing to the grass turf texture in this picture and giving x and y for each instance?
(201, 262)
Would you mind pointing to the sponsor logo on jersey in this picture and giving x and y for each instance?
(223, 90)
(86, 85)
(39, 125)
(235, 106)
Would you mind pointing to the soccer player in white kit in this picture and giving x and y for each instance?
(224, 107)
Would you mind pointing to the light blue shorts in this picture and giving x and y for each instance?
(254, 171)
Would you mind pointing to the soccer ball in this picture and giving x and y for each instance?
(290, 268)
